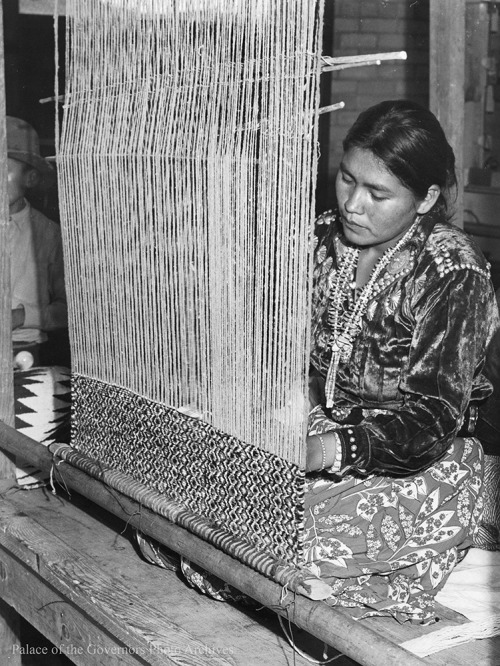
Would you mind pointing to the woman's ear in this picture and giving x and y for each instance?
(32, 178)
(430, 199)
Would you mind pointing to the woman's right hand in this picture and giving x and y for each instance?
(315, 391)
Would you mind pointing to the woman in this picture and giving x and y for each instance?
(403, 309)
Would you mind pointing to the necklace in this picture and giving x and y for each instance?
(345, 312)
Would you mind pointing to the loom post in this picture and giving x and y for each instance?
(6, 365)
(9, 619)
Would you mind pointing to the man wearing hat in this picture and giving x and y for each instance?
(39, 311)
(37, 272)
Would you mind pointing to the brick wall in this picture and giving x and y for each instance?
(360, 27)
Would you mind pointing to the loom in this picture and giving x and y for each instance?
(187, 162)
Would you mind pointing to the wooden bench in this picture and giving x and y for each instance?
(71, 569)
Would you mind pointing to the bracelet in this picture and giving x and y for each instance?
(337, 463)
(323, 450)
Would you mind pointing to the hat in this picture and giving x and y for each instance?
(23, 145)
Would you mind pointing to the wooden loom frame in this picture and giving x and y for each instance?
(332, 626)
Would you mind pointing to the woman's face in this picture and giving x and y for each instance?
(375, 207)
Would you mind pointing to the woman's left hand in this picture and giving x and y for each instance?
(320, 451)
(314, 453)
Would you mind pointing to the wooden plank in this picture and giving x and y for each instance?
(42, 7)
(9, 620)
(234, 634)
(10, 647)
(477, 27)
(380, 637)
(62, 623)
(99, 535)
(371, 642)
(83, 610)
(239, 632)
(446, 79)
(336, 628)
(6, 365)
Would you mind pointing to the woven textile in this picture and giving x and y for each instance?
(488, 536)
(238, 486)
(42, 403)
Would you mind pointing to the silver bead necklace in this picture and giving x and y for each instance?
(345, 322)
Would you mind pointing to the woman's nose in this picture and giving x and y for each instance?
(354, 202)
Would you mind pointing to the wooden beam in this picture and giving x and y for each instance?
(91, 615)
(477, 29)
(42, 7)
(9, 619)
(334, 627)
(446, 77)
(6, 364)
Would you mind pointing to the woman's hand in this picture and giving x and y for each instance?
(314, 453)
(316, 384)
(320, 451)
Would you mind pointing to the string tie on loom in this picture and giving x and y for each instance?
(286, 606)
(58, 447)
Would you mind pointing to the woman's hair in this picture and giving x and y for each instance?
(408, 139)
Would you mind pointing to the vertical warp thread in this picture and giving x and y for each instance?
(187, 160)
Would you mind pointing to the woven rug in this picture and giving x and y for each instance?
(42, 402)
(473, 590)
(488, 536)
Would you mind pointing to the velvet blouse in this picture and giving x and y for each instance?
(416, 365)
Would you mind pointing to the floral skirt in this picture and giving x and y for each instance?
(388, 545)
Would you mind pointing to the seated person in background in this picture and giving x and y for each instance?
(39, 309)
(403, 312)
(37, 272)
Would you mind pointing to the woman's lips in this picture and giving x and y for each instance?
(351, 224)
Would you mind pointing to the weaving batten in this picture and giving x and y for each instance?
(153, 163)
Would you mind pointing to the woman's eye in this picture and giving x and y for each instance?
(375, 197)
(346, 178)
